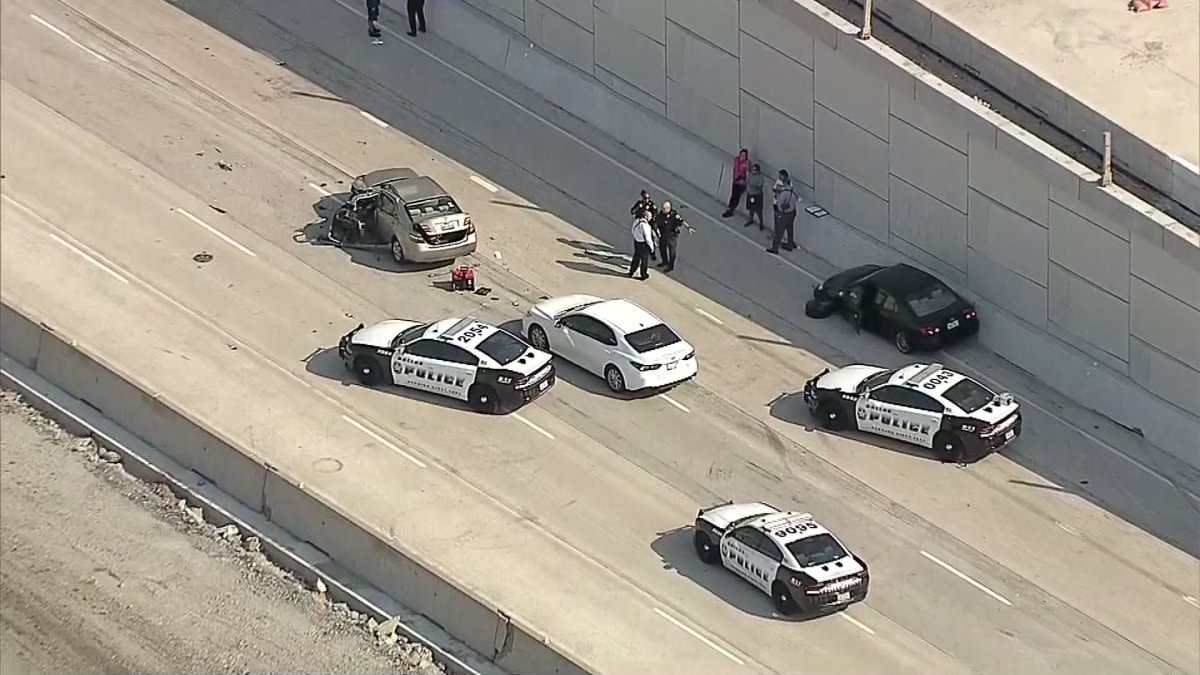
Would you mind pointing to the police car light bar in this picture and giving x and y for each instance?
(786, 520)
(924, 373)
(458, 327)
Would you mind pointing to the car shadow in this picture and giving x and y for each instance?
(325, 362)
(792, 409)
(581, 379)
(316, 233)
(677, 553)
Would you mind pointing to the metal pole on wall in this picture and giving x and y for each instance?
(865, 33)
(1106, 170)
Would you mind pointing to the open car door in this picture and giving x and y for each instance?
(354, 222)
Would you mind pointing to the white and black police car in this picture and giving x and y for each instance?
(785, 554)
(927, 405)
(463, 358)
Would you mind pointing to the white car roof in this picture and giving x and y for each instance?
(623, 315)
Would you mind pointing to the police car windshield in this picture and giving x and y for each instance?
(502, 347)
(875, 380)
(820, 549)
(409, 334)
(931, 300)
(969, 395)
(654, 337)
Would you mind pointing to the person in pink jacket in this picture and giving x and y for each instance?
(741, 167)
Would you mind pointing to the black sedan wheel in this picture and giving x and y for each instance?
(902, 342)
(819, 308)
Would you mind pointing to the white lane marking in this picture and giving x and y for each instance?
(66, 37)
(1192, 601)
(708, 316)
(966, 578)
(66, 244)
(318, 188)
(533, 426)
(484, 184)
(690, 631)
(373, 118)
(215, 231)
(89, 258)
(713, 219)
(387, 443)
(862, 626)
(675, 403)
(1067, 528)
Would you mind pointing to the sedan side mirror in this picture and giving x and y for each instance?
(558, 323)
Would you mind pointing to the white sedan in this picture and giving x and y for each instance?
(614, 339)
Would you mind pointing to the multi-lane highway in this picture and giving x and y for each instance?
(1074, 551)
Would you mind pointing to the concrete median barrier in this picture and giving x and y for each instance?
(84, 373)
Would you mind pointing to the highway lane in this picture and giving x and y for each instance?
(510, 256)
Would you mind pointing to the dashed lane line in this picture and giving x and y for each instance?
(969, 580)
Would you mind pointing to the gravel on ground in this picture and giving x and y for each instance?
(100, 572)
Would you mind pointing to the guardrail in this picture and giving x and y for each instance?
(168, 427)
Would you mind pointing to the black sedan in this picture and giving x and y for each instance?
(902, 303)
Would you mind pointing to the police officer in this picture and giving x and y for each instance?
(416, 16)
(670, 223)
(373, 16)
(643, 204)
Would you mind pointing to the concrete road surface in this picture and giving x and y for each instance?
(1074, 550)
(103, 573)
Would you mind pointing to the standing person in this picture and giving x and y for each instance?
(416, 16)
(669, 225)
(372, 17)
(754, 196)
(643, 243)
(786, 201)
(645, 203)
(741, 166)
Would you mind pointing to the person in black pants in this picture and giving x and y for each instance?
(416, 16)
(372, 17)
(669, 225)
(643, 243)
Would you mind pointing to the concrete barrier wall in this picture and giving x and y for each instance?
(1081, 286)
(194, 445)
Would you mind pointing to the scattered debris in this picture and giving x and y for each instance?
(109, 457)
(321, 587)
(217, 209)
(482, 290)
(203, 257)
(200, 154)
(228, 533)
(497, 255)
(281, 63)
(223, 165)
(1136, 6)
(232, 347)
(252, 544)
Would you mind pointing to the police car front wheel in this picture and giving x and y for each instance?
(483, 399)
(705, 549)
(831, 415)
(366, 370)
(781, 597)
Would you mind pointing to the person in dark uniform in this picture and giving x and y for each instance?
(645, 203)
(416, 16)
(372, 17)
(670, 223)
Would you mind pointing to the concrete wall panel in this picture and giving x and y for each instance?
(1088, 313)
(768, 28)
(927, 109)
(1089, 251)
(579, 12)
(777, 140)
(710, 122)
(631, 56)
(1008, 238)
(926, 163)
(998, 177)
(851, 151)
(714, 20)
(1006, 288)
(1165, 323)
(1069, 199)
(705, 71)
(851, 204)
(508, 12)
(928, 224)
(1154, 266)
(479, 37)
(20, 337)
(648, 17)
(773, 77)
(1164, 376)
(851, 91)
(630, 92)
(559, 35)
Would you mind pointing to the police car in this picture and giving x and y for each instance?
(784, 554)
(467, 359)
(928, 405)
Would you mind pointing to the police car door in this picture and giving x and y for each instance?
(739, 552)
(898, 413)
(438, 367)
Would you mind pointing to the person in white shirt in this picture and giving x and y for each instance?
(786, 201)
(643, 243)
